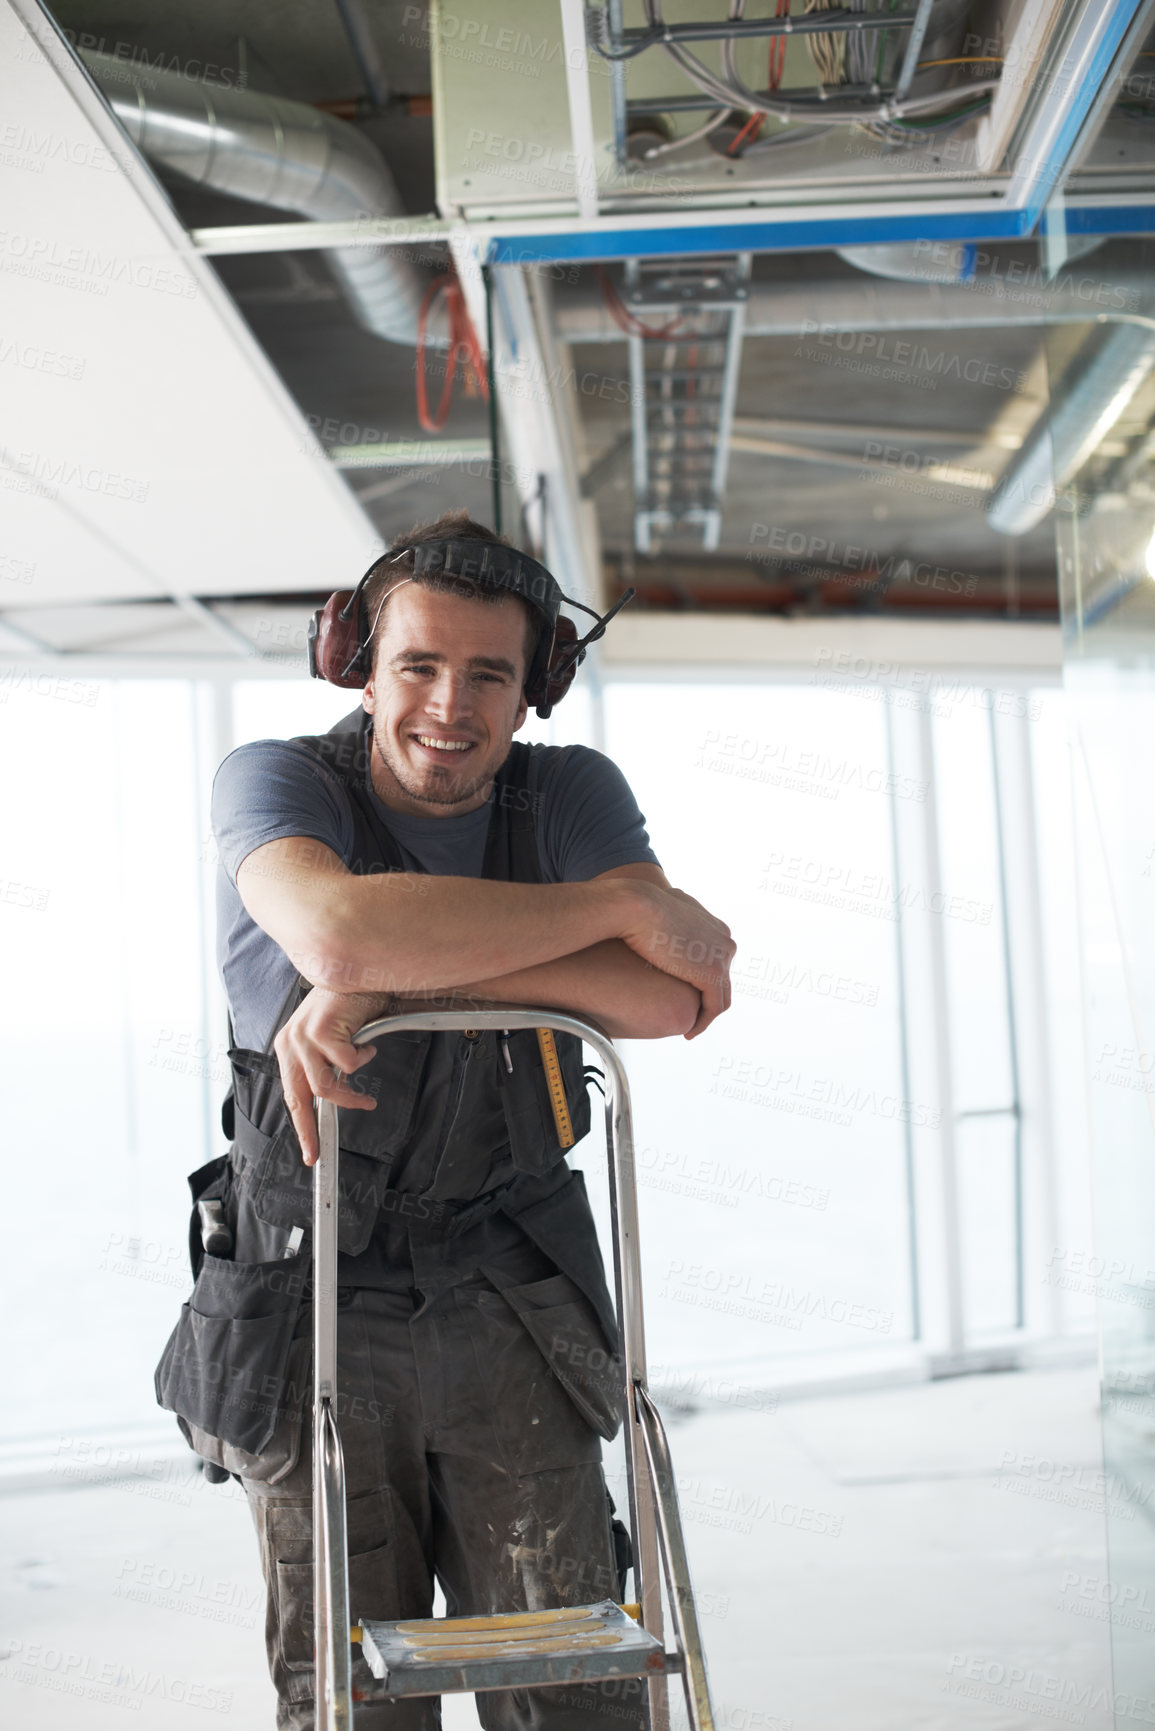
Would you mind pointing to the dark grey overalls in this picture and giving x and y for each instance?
(476, 1336)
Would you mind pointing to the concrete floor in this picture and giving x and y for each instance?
(883, 1561)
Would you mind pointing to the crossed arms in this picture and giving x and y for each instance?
(644, 959)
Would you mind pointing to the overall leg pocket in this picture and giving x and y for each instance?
(374, 1587)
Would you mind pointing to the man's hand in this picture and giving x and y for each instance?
(315, 1049)
(678, 935)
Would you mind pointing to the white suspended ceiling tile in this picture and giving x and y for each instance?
(119, 628)
(49, 548)
(149, 447)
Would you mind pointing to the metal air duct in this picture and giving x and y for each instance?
(822, 306)
(949, 262)
(283, 154)
(1064, 437)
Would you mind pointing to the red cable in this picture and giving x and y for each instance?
(464, 348)
(778, 44)
(774, 76)
(624, 318)
(751, 129)
(429, 423)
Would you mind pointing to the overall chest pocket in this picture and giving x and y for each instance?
(394, 1078)
(275, 1188)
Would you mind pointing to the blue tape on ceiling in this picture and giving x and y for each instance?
(1110, 219)
(804, 235)
(967, 226)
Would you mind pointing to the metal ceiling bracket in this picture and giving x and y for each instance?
(581, 114)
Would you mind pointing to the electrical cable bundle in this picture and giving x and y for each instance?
(861, 67)
(730, 92)
(828, 52)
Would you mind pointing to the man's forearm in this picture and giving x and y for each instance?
(607, 981)
(630, 999)
(452, 929)
(418, 934)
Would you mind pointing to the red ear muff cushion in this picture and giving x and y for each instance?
(334, 644)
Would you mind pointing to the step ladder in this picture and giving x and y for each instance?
(577, 1644)
(687, 319)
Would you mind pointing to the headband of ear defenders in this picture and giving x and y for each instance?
(340, 633)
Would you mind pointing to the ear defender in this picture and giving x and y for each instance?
(338, 639)
(334, 648)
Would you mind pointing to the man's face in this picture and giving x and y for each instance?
(446, 698)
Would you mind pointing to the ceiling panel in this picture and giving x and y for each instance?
(149, 446)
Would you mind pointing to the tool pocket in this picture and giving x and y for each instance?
(210, 1183)
(563, 1325)
(225, 1369)
(534, 1139)
(283, 1451)
(181, 1380)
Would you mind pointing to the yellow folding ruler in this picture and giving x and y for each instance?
(548, 1048)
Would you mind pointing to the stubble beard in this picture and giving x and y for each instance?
(458, 791)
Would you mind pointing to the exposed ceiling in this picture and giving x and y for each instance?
(861, 463)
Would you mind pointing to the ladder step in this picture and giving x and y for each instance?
(525, 1649)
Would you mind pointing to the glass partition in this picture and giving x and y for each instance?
(1103, 452)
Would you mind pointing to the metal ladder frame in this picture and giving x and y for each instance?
(655, 1520)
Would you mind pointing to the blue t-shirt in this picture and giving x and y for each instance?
(586, 818)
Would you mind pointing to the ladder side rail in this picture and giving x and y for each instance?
(683, 1611)
(333, 1686)
(642, 1493)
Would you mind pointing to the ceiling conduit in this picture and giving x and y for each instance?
(286, 155)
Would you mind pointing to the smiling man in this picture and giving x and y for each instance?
(416, 849)
(432, 745)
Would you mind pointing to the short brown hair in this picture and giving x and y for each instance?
(454, 525)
